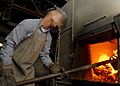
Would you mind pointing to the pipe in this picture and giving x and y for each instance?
(73, 20)
(29, 81)
(34, 13)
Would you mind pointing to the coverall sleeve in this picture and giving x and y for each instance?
(11, 41)
(44, 55)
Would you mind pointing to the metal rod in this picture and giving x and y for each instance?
(29, 11)
(90, 66)
(29, 81)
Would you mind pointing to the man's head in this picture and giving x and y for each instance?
(54, 19)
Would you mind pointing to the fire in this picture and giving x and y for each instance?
(105, 73)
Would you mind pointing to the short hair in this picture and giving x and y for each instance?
(62, 14)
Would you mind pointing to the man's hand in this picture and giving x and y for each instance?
(7, 78)
(6, 75)
(55, 68)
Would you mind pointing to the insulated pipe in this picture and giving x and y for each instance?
(29, 81)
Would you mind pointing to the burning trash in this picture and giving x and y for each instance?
(105, 73)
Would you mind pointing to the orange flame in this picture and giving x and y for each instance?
(105, 73)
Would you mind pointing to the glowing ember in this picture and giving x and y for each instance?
(105, 73)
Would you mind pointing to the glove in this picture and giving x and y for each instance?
(7, 78)
(55, 68)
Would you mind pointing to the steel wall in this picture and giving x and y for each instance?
(89, 10)
(81, 12)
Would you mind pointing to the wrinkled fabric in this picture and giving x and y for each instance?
(20, 33)
(23, 30)
(23, 61)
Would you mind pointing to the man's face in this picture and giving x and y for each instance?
(56, 23)
(52, 21)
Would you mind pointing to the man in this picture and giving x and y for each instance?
(28, 41)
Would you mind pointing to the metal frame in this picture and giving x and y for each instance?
(117, 23)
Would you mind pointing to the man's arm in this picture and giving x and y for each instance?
(11, 41)
(53, 67)
(44, 55)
